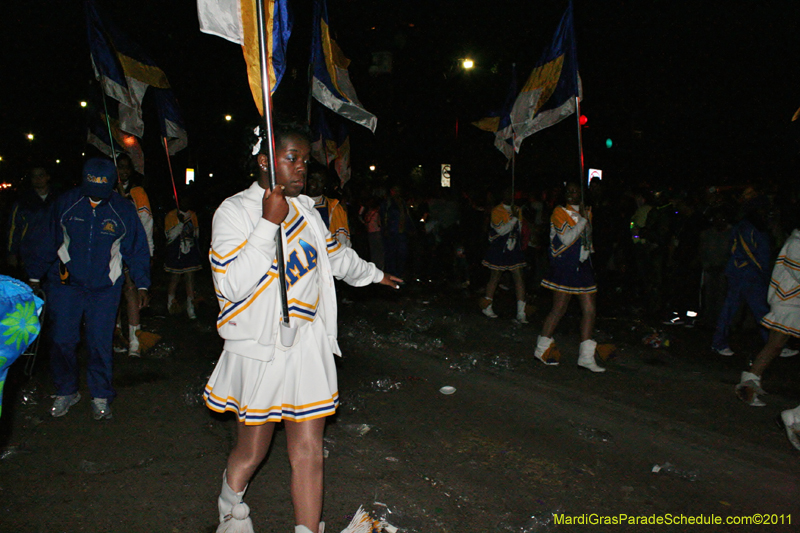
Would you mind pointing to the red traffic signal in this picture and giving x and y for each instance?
(583, 120)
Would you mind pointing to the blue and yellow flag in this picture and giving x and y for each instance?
(331, 142)
(499, 122)
(123, 69)
(98, 135)
(323, 143)
(237, 21)
(548, 96)
(331, 84)
(169, 118)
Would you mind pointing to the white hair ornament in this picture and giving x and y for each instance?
(257, 146)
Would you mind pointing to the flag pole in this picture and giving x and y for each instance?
(171, 175)
(580, 142)
(108, 125)
(585, 238)
(268, 137)
(513, 175)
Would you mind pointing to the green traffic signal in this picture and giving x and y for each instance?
(609, 143)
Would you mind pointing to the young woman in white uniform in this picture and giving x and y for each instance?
(256, 377)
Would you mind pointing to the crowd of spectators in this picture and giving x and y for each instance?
(659, 252)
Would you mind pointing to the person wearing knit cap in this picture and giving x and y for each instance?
(92, 232)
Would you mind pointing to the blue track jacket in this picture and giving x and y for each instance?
(751, 257)
(93, 243)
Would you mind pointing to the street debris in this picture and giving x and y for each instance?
(671, 470)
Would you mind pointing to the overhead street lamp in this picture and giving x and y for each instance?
(467, 63)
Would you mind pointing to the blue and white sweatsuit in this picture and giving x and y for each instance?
(92, 243)
(748, 273)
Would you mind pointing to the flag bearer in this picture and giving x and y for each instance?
(258, 378)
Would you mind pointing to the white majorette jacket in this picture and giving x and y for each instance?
(242, 254)
(784, 287)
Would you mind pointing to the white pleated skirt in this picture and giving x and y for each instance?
(298, 384)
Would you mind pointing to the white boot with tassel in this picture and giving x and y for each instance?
(234, 514)
(522, 318)
(304, 529)
(586, 356)
(133, 341)
(546, 351)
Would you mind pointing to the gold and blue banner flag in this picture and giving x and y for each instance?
(342, 163)
(323, 144)
(119, 142)
(331, 84)
(237, 21)
(548, 96)
(327, 146)
(123, 69)
(499, 122)
(169, 118)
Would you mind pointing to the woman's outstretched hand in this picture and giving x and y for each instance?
(391, 281)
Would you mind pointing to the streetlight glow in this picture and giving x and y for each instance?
(468, 63)
(372, 168)
(228, 118)
(30, 136)
(83, 103)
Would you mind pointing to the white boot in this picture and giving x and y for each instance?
(756, 381)
(586, 356)
(234, 514)
(488, 311)
(543, 345)
(190, 309)
(304, 529)
(521, 317)
(791, 422)
(133, 341)
(749, 388)
(172, 305)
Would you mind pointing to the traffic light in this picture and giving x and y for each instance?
(583, 120)
(609, 143)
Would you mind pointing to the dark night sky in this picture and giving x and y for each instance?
(690, 92)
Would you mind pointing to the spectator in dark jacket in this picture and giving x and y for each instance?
(29, 218)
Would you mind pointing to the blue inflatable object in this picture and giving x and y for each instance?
(19, 323)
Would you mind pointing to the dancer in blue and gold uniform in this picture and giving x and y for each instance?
(505, 254)
(257, 378)
(570, 274)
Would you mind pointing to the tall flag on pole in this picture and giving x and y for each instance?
(342, 164)
(331, 84)
(236, 21)
(328, 147)
(120, 142)
(123, 69)
(548, 96)
(499, 122)
(169, 117)
(323, 144)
